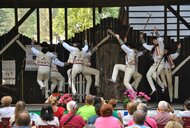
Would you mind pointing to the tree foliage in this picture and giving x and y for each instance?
(79, 19)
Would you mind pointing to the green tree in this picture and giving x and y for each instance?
(6, 20)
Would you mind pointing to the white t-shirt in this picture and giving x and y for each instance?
(53, 122)
(7, 111)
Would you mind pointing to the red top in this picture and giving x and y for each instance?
(59, 112)
(75, 121)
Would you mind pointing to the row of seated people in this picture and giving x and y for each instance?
(95, 113)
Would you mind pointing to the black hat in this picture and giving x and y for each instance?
(44, 44)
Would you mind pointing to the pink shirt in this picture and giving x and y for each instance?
(107, 122)
(163, 118)
(149, 121)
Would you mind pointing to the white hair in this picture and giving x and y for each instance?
(71, 105)
(163, 105)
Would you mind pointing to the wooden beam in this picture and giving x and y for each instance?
(22, 19)
(85, 3)
(179, 17)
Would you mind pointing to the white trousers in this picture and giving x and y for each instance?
(57, 79)
(128, 70)
(72, 73)
(87, 72)
(166, 73)
(137, 79)
(42, 78)
(153, 73)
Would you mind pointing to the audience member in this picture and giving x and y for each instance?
(23, 119)
(107, 120)
(88, 109)
(173, 124)
(186, 112)
(7, 110)
(149, 122)
(163, 115)
(19, 107)
(113, 102)
(71, 118)
(57, 111)
(139, 117)
(131, 108)
(47, 117)
(92, 119)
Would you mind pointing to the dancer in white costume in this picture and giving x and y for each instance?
(128, 67)
(166, 73)
(76, 58)
(157, 49)
(43, 59)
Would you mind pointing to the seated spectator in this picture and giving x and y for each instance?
(107, 120)
(113, 102)
(92, 119)
(88, 109)
(97, 100)
(186, 112)
(173, 124)
(71, 118)
(47, 117)
(139, 117)
(131, 108)
(149, 122)
(19, 107)
(7, 110)
(163, 115)
(57, 111)
(23, 120)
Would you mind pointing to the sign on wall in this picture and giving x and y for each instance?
(8, 72)
(30, 58)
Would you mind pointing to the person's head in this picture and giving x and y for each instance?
(162, 106)
(97, 100)
(78, 44)
(72, 106)
(154, 40)
(19, 107)
(106, 110)
(97, 109)
(143, 107)
(173, 124)
(44, 46)
(6, 101)
(131, 107)
(139, 117)
(89, 100)
(23, 119)
(187, 104)
(53, 100)
(47, 112)
(112, 102)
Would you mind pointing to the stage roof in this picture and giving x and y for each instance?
(84, 3)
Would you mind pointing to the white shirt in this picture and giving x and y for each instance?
(184, 114)
(130, 54)
(53, 122)
(156, 57)
(7, 111)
